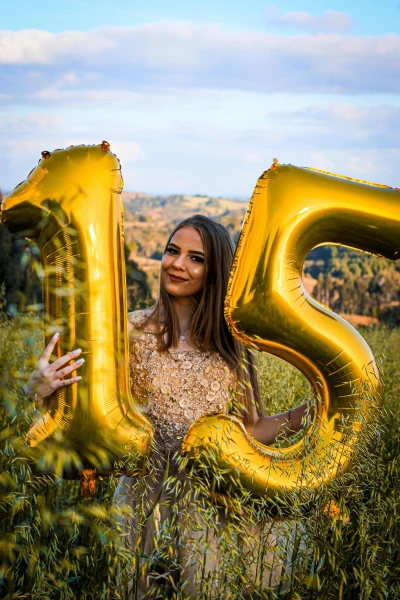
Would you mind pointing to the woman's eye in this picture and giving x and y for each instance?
(198, 259)
(171, 250)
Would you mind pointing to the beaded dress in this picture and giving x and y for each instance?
(178, 386)
(182, 534)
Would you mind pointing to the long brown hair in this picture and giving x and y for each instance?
(208, 329)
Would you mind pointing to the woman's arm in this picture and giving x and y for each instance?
(267, 429)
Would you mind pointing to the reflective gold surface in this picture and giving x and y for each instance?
(70, 206)
(293, 210)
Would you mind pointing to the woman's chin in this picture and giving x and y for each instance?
(180, 294)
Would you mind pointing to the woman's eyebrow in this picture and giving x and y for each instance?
(189, 252)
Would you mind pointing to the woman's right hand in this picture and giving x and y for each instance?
(47, 378)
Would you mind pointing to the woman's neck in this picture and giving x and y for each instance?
(185, 309)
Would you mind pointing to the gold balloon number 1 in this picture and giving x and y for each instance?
(292, 211)
(70, 206)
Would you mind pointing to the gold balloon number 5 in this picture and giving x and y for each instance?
(292, 211)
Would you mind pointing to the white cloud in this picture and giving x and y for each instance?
(127, 152)
(197, 140)
(96, 97)
(254, 157)
(212, 162)
(32, 46)
(27, 123)
(108, 63)
(343, 125)
(152, 45)
(329, 21)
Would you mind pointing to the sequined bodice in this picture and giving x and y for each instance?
(176, 388)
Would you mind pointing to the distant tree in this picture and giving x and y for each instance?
(355, 282)
(138, 290)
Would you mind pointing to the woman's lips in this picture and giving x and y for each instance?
(175, 278)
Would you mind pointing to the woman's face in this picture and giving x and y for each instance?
(182, 266)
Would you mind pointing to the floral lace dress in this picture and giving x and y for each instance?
(182, 537)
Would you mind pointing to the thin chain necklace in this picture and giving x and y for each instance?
(183, 337)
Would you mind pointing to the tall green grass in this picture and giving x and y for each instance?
(55, 545)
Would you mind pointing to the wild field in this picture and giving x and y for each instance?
(55, 545)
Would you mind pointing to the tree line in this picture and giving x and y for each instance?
(347, 281)
(354, 282)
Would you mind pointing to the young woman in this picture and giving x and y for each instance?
(185, 363)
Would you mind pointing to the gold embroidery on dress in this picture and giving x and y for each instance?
(176, 387)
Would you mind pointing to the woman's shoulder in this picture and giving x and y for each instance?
(137, 318)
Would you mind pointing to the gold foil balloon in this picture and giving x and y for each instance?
(70, 206)
(293, 210)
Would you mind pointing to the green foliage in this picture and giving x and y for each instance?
(354, 282)
(20, 272)
(138, 290)
(55, 545)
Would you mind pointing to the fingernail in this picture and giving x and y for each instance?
(80, 361)
(78, 378)
(55, 336)
(76, 352)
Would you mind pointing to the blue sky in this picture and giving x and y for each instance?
(367, 17)
(199, 97)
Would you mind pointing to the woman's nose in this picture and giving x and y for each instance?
(179, 262)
